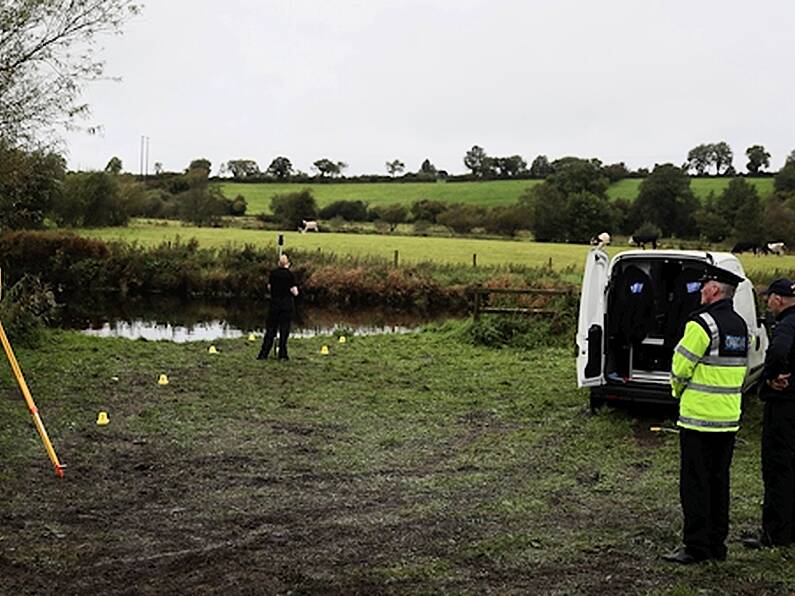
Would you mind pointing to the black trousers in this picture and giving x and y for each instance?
(705, 459)
(279, 318)
(778, 471)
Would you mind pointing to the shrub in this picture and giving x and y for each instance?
(508, 220)
(25, 309)
(462, 218)
(427, 210)
(291, 208)
(347, 210)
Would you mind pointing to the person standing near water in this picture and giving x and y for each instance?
(283, 290)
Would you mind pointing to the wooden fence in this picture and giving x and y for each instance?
(481, 298)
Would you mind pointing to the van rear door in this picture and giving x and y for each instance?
(590, 327)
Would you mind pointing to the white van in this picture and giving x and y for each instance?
(633, 309)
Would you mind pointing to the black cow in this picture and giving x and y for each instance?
(753, 247)
(642, 240)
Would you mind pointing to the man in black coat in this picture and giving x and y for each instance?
(778, 426)
(283, 289)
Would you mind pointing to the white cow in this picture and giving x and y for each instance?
(601, 240)
(777, 248)
(309, 226)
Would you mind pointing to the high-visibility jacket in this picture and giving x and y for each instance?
(708, 369)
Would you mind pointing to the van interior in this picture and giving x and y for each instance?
(648, 303)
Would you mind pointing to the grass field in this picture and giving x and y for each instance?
(488, 193)
(413, 464)
(412, 249)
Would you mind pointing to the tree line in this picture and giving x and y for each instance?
(35, 186)
(700, 161)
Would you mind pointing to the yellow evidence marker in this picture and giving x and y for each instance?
(102, 419)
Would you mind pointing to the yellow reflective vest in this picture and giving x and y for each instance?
(708, 369)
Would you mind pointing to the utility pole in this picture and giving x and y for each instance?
(141, 158)
(146, 169)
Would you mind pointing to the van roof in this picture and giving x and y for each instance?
(722, 259)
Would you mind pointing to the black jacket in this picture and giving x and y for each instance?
(780, 357)
(632, 305)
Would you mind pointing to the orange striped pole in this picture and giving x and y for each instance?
(34, 411)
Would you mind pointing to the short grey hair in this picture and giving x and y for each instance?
(726, 290)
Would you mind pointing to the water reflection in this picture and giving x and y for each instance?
(170, 319)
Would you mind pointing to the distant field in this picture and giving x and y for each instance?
(412, 249)
(628, 188)
(488, 193)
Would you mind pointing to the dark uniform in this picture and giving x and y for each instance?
(707, 374)
(280, 312)
(778, 431)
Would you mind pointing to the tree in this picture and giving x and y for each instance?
(779, 221)
(736, 195)
(291, 208)
(326, 167)
(666, 200)
(550, 213)
(395, 167)
(90, 199)
(30, 181)
(114, 166)
(790, 158)
(784, 181)
(477, 161)
(158, 168)
(722, 157)
(201, 164)
(242, 168)
(699, 159)
(573, 175)
(758, 158)
(748, 220)
(347, 210)
(427, 169)
(46, 57)
(540, 168)
(510, 167)
(392, 214)
(281, 168)
(589, 215)
(202, 205)
(616, 171)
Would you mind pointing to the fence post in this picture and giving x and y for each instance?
(476, 313)
(396, 257)
(474, 259)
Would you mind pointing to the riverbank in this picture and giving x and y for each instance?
(402, 464)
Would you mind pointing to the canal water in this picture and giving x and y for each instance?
(171, 319)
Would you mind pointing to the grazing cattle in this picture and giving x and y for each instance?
(642, 240)
(753, 247)
(309, 226)
(601, 240)
(777, 248)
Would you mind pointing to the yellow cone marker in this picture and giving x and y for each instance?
(163, 380)
(324, 350)
(342, 339)
(251, 337)
(102, 419)
(212, 350)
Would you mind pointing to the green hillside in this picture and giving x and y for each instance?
(487, 193)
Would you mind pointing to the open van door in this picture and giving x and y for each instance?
(590, 327)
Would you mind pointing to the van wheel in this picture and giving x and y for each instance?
(597, 401)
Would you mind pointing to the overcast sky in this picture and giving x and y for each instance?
(639, 81)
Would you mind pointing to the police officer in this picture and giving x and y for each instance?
(778, 425)
(283, 288)
(708, 369)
